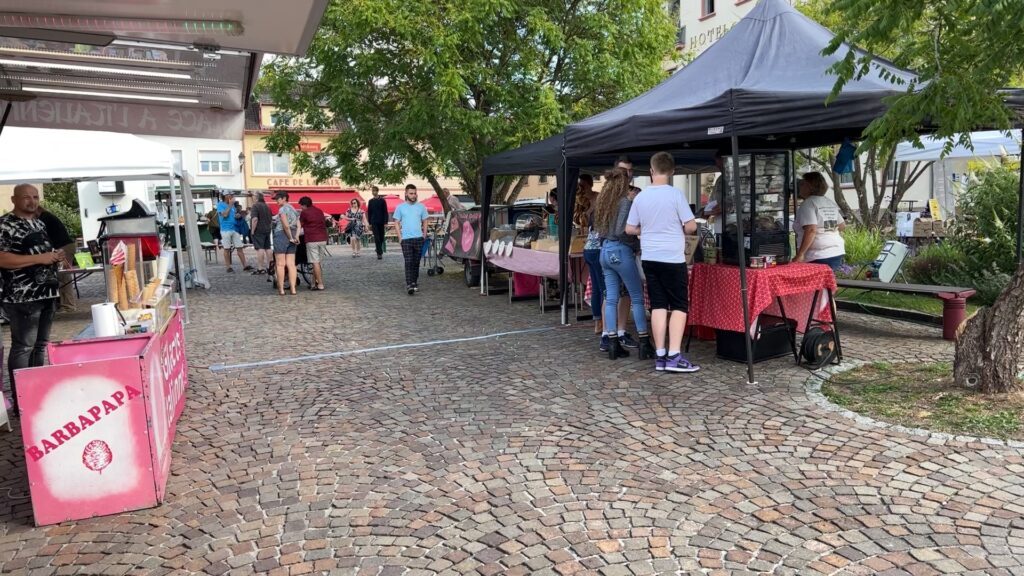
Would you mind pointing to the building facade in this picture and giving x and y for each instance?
(267, 171)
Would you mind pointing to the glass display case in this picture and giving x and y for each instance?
(766, 188)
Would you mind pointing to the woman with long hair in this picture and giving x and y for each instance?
(618, 262)
(356, 226)
(583, 220)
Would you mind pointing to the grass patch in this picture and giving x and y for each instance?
(924, 396)
(913, 302)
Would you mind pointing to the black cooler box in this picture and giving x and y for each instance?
(773, 341)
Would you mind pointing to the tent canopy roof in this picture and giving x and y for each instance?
(766, 79)
(38, 155)
(545, 157)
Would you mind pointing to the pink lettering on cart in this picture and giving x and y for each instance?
(73, 428)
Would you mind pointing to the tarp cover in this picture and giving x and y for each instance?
(43, 155)
(766, 78)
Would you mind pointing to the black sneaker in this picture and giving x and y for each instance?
(410, 290)
(415, 288)
(628, 341)
(380, 257)
(604, 343)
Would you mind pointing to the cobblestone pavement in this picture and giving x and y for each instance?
(523, 454)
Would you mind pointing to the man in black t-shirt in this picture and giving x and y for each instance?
(28, 264)
(62, 241)
(377, 216)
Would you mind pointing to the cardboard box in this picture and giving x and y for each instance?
(923, 227)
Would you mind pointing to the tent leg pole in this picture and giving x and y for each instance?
(177, 244)
(742, 255)
(7, 113)
(1020, 209)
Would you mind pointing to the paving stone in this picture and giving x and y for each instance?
(524, 454)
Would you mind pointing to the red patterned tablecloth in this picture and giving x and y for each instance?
(715, 293)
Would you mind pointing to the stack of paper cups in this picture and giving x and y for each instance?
(165, 264)
(105, 321)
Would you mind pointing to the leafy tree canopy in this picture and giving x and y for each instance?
(432, 87)
(964, 51)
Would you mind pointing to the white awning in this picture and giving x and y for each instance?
(42, 155)
(986, 145)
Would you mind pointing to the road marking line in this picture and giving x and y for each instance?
(326, 355)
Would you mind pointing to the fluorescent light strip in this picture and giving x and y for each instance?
(110, 95)
(68, 81)
(81, 68)
(117, 25)
(95, 57)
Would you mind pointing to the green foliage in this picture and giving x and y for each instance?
(986, 225)
(70, 217)
(432, 87)
(63, 193)
(924, 396)
(946, 264)
(862, 244)
(963, 51)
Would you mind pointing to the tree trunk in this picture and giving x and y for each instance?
(990, 345)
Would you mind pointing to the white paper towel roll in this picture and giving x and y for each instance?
(164, 264)
(105, 321)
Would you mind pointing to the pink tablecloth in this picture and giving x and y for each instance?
(526, 261)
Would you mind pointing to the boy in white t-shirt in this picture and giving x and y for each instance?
(662, 218)
(818, 224)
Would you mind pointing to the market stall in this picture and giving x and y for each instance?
(765, 85)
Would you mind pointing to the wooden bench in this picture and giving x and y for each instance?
(954, 299)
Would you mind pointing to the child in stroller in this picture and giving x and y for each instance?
(302, 266)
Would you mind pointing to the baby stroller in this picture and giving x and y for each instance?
(431, 257)
(303, 269)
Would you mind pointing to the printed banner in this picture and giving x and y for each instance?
(86, 445)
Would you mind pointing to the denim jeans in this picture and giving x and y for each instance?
(593, 260)
(30, 333)
(618, 261)
(835, 262)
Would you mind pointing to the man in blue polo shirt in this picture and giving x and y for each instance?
(412, 217)
(230, 235)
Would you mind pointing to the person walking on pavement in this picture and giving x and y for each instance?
(230, 235)
(262, 225)
(63, 241)
(356, 226)
(662, 218)
(412, 218)
(377, 216)
(28, 266)
(314, 226)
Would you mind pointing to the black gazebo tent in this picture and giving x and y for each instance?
(546, 157)
(764, 85)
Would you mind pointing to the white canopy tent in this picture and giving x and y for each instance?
(47, 155)
(986, 144)
(949, 170)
